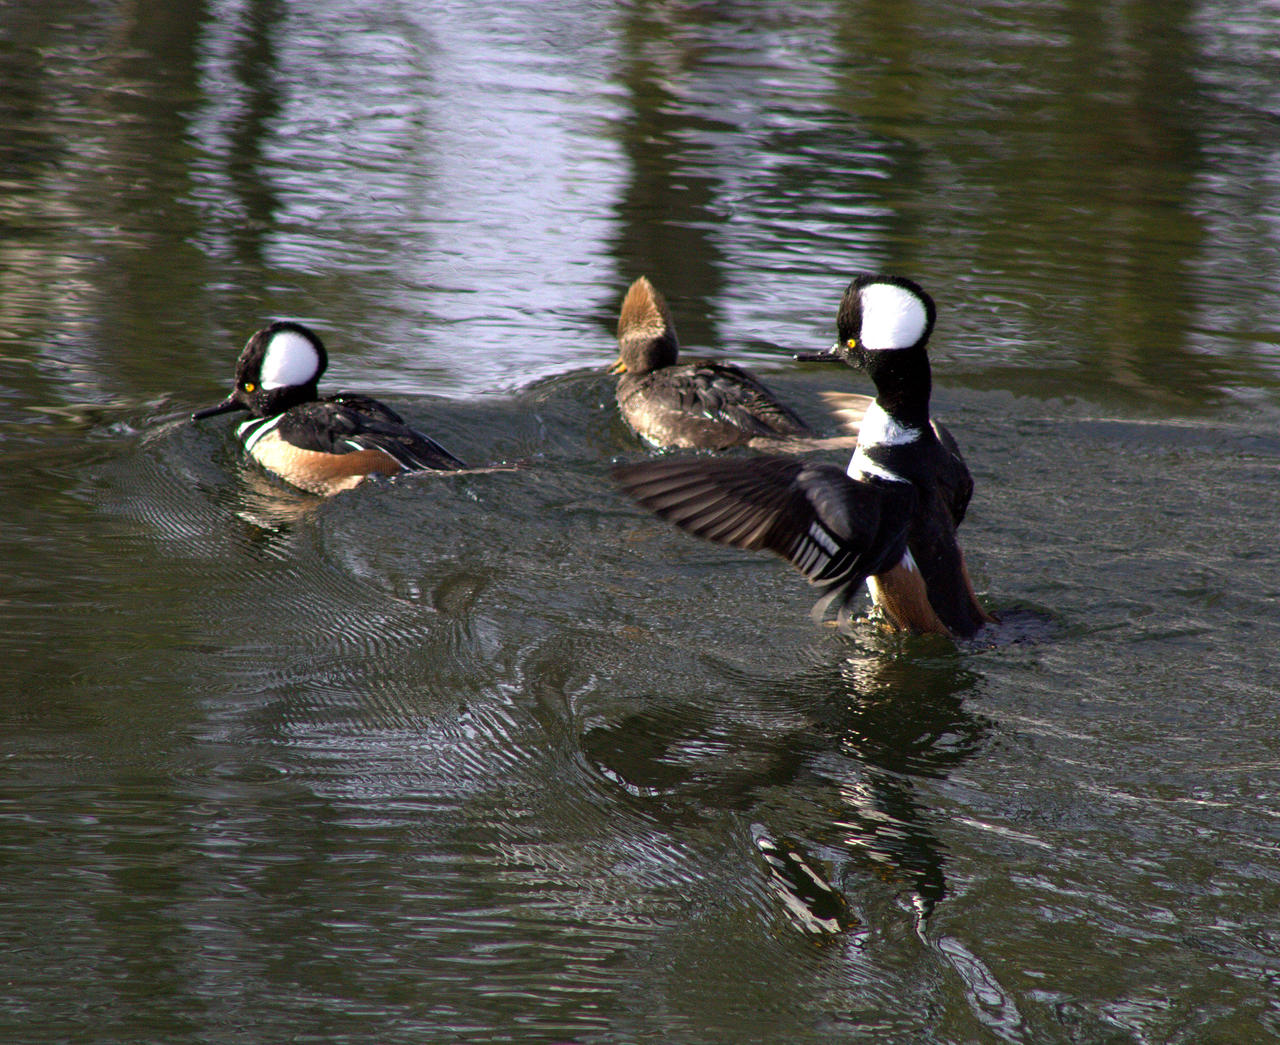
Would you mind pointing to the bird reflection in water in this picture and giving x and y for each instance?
(849, 741)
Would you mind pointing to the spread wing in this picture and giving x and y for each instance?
(848, 408)
(345, 423)
(833, 529)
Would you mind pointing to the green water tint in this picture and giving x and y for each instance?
(504, 758)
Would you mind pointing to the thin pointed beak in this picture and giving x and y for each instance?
(831, 355)
(619, 367)
(225, 407)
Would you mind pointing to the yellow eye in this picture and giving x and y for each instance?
(851, 343)
(249, 386)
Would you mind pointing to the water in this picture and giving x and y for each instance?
(498, 757)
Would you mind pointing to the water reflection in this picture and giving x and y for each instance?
(236, 186)
(367, 171)
(862, 731)
(480, 759)
(267, 504)
(668, 210)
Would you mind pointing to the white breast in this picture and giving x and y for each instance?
(879, 429)
(862, 467)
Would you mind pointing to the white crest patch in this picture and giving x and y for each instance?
(290, 359)
(879, 429)
(892, 317)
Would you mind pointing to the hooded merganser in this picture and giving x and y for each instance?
(320, 445)
(890, 520)
(699, 405)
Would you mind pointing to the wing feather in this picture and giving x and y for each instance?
(833, 529)
(728, 393)
(348, 423)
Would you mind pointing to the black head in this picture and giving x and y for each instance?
(883, 325)
(280, 367)
(878, 314)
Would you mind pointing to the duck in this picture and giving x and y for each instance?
(700, 404)
(321, 445)
(888, 520)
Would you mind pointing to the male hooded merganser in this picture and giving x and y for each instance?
(320, 445)
(702, 404)
(890, 520)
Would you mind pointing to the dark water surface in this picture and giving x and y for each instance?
(498, 757)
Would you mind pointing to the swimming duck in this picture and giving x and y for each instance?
(701, 404)
(888, 520)
(320, 445)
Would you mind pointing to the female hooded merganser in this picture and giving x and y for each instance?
(320, 445)
(890, 520)
(699, 405)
